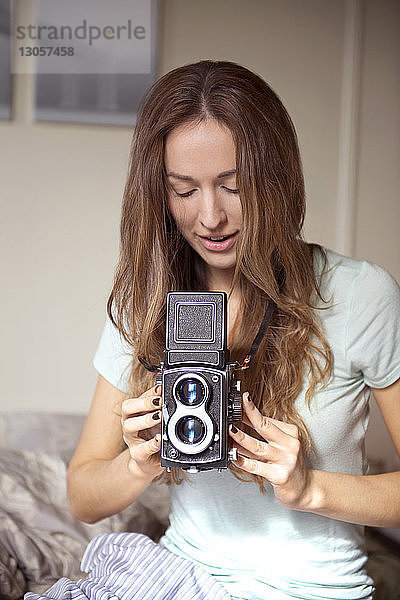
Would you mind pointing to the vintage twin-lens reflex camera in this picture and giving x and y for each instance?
(200, 392)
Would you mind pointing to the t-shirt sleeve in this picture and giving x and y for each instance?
(373, 327)
(113, 357)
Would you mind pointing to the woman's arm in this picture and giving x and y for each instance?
(366, 499)
(103, 477)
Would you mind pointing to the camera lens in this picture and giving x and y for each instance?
(190, 430)
(190, 391)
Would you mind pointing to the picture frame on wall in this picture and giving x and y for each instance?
(5, 64)
(90, 98)
(105, 78)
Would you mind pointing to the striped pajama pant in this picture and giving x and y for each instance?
(127, 566)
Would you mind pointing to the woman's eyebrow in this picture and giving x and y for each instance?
(226, 174)
(188, 178)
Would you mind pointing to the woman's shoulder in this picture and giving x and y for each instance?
(329, 262)
(113, 357)
(336, 271)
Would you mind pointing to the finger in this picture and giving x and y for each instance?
(255, 467)
(145, 451)
(272, 430)
(259, 449)
(133, 425)
(156, 389)
(153, 391)
(141, 405)
(288, 428)
(251, 465)
(274, 473)
(147, 434)
(243, 452)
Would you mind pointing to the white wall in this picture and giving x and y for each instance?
(377, 221)
(61, 185)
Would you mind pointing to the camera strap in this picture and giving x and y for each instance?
(145, 364)
(261, 332)
(253, 350)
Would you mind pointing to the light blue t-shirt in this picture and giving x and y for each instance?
(258, 549)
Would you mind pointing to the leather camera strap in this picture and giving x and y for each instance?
(145, 364)
(261, 332)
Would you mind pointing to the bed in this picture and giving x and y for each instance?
(41, 542)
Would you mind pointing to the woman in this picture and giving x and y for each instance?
(215, 201)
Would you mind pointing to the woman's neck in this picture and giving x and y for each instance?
(219, 280)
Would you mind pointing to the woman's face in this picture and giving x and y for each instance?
(204, 201)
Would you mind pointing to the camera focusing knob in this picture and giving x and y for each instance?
(235, 412)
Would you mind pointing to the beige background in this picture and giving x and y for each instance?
(336, 66)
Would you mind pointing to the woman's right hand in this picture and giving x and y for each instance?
(141, 429)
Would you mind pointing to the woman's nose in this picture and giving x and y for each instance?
(212, 213)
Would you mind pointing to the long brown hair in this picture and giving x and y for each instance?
(273, 260)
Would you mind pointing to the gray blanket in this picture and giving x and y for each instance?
(39, 540)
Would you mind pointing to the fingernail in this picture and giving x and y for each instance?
(156, 416)
(158, 438)
(246, 396)
(156, 401)
(234, 429)
(158, 389)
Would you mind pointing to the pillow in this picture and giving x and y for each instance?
(53, 433)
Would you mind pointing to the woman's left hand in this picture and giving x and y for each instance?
(279, 459)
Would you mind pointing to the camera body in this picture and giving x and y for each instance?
(200, 393)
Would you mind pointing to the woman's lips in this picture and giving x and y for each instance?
(218, 246)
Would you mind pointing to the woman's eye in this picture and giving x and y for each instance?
(184, 194)
(231, 190)
(191, 192)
